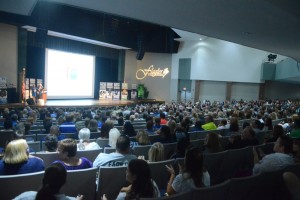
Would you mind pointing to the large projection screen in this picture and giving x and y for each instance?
(69, 75)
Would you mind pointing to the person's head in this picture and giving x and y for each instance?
(54, 178)
(70, 117)
(93, 125)
(157, 121)
(165, 132)
(123, 144)
(84, 134)
(54, 130)
(67, 148)
(156, 152)
(283, 144)
(105, 128)
(193, 164)
(223, 122)
(213, 142)
(138, 173)
(51, 142)
(16, 151)
(149, 125)
(128, 129)
(248, 133)
(172, 124)
(8, 124)
(142, 138)
(79, 125)
(234, 127)
(209, 118)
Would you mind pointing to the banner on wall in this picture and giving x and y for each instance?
(124, 94)
(102, 91)
(3, 92)
(133, 92)
(117, 91)
(109, 90)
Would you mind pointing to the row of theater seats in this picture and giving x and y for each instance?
(95, 182)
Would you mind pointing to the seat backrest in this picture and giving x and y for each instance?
(141, 150)
(81, 182)
(110, 181)
(219, 191)
(34, 146)
(70, 135)
(169, 149)
(236, 161)
(159, 172)
(109, 150)
(13, 185)
(154, 138)
(198, 143)
(213, 163)
(40, 137)
(95, 135)
(89, 154)
(102, 142)
(267, 148)
(48, 157)
(179, 196)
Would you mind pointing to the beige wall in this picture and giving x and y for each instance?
(9, 53)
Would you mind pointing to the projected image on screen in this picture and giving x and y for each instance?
(69, 75)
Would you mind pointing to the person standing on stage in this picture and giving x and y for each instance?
(39, 91)
(33, 93)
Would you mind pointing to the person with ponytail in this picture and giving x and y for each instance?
(191, 175)
(54, 178)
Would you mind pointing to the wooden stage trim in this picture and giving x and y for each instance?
(85, 103)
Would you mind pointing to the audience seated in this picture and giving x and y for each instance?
(128, 129)
(67, 149)
(54, 178)
(156, 152)
(119, 158)
(276, 132)
(51, 142)
(209, 123)
(149, 127)
(246, 139)
(93, 125)
(165, 135)
(16, 159)
(68, 126)
(275, 161)
(212, 143)
(191, 175)
(84, 141)
(142, 138)
(182, 145)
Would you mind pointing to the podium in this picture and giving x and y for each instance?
(44, 95)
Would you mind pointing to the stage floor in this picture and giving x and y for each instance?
(85, 103)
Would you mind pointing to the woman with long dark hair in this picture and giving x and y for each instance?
(142, 186)
(191, 175)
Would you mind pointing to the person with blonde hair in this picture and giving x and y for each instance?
(156, 152)
(17, 160)
(142, 138)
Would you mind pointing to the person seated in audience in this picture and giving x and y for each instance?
(142, 138)
(296, 129)
(149, 127)
(51, 142)
(275, 161)
(54, 178)
(138, 174)
(209, 123)
(157, 125)
(119, 158)
(84, 138)
(128, 129)
(121, 121)
(93, 125)
(234, 128)
(276, 132)
(165, 135)
(113, 134)
(257, 126)
(172, 125)
(104, 131)
(268, 125)
(8, 126)
(191, 175)
(156, 152)
(247, 138)
(223, 125)
(182, 145)
(296, 149)
(292, 183)
(212, 143)
(68, 126)
(163, 120)
(67, 150)
(16, 159)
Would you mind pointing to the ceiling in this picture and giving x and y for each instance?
(270, 25)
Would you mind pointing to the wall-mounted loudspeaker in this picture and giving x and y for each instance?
(140, 47)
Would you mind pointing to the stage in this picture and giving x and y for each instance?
(85, 103)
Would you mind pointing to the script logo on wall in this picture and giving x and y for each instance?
(143, 73)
